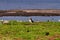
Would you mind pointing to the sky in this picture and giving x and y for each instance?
(29, 4)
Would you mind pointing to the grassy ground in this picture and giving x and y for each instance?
(30, 31)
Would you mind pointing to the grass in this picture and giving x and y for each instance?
(30, 31)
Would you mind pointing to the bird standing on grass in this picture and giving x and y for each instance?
(30, 20)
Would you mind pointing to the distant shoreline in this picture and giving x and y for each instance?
(31, 12)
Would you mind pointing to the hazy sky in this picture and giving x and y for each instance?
(29, 4)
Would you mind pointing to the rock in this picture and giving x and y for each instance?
(5, 22)
(47, 33)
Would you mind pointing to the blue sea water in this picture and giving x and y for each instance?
(35, 18)
(29, 4)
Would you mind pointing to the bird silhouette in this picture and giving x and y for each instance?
(30, 20)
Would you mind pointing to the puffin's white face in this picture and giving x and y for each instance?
(30, 20)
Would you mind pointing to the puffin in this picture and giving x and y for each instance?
(30, 20)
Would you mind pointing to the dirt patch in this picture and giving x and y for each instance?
(54, 37)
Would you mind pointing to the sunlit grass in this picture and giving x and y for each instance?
(29, 31)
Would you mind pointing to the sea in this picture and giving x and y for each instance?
(35, 18)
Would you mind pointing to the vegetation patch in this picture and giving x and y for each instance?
(30, 31)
